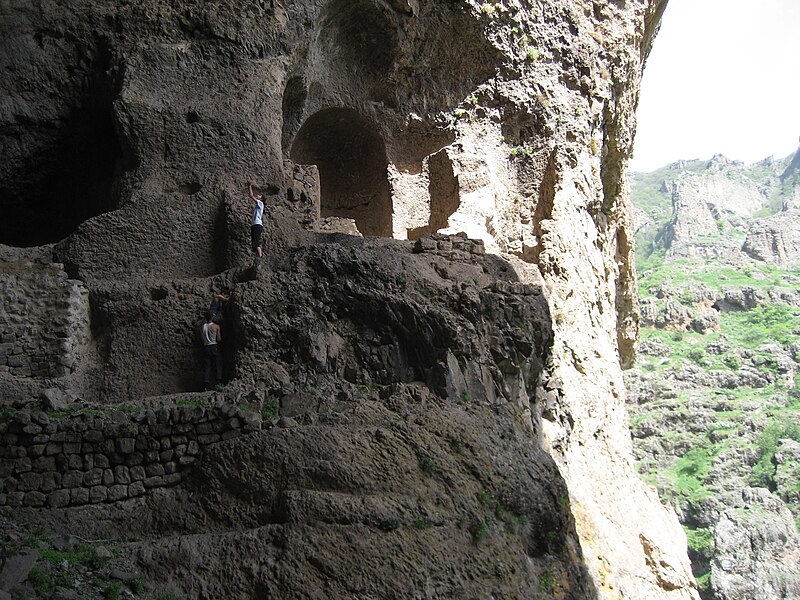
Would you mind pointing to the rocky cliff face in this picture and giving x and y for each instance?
(444, 418)
(703, 204)
(714, 398)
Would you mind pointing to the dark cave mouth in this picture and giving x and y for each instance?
(67, 170)
(69, 181)
(65, 184)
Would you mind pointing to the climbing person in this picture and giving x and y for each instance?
(212, 359)
(218, 304)
(257, 226)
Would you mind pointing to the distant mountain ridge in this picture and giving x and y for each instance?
(714, 399)
(706, 209)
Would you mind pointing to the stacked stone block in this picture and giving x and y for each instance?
(456, 247)
(93, 458)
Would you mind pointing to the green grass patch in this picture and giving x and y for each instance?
(763, 474)
(704, 581)
(699, 540)
(690, 472)
(84, 555)
(679, 274)
(269, 411)
(683, 347)
(764, 324)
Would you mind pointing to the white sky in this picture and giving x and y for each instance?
(723, 77)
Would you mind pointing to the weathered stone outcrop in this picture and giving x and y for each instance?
(757, 547)
(447, 387)
(775, 239)
(704, 205)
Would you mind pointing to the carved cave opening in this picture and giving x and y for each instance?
(69, 168)
(444, 194)
(351, 157)
(66, 183)
(293, 104)
(443, 188)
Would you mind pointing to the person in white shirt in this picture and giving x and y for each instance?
(257, 226)
(210, 334)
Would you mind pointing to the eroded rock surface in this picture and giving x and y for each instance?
(452, 418)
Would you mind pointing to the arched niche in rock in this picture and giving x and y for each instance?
(351, 157)
(443, 191)
(293, 105)
(443, 187)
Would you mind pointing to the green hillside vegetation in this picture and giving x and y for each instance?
(681, 275)
(696, 428)
(651, 192)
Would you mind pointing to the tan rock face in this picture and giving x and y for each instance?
(705, 204)
(775, 239)
(511, 122)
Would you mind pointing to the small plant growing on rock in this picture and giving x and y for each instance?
(732, 362)
(41, 581)
(427, 465)
(486, 499)
(421, 524)
(481, 530)
(136, 584)
(457, 444)
(521, 151)
(113, 591)
(270, 409)
(698, 357)
(515, 522)
(547, 581)
(532, 54)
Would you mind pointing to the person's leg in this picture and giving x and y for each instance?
(255, 235)
(207, 358)
(218, 364)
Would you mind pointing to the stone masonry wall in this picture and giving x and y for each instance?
(44, 322)
(93, 458)
(456, 247)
